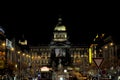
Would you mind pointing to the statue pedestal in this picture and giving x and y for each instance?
(61, 75)
(60, 66)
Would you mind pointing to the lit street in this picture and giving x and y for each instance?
(59, 43)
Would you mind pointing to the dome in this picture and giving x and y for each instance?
(59, 26)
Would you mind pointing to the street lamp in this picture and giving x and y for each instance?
(19, 61)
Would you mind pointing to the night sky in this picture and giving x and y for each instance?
(36, 21)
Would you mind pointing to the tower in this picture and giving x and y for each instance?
(60, 44)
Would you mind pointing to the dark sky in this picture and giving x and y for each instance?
(36, 21)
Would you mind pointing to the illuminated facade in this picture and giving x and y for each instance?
(2, 50)
(78, 57)
(60, 49)
(104, 46)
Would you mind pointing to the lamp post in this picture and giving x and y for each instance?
(3, 57)
(6, 55)
(19, 61)
(6, 58)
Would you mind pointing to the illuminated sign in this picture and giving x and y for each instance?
(23, 42)
(44, 69)
(90, 55)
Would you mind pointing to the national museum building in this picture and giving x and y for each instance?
(62, 54)
(60, 50)
(59, 54)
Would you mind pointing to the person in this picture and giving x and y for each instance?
(39, 76)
